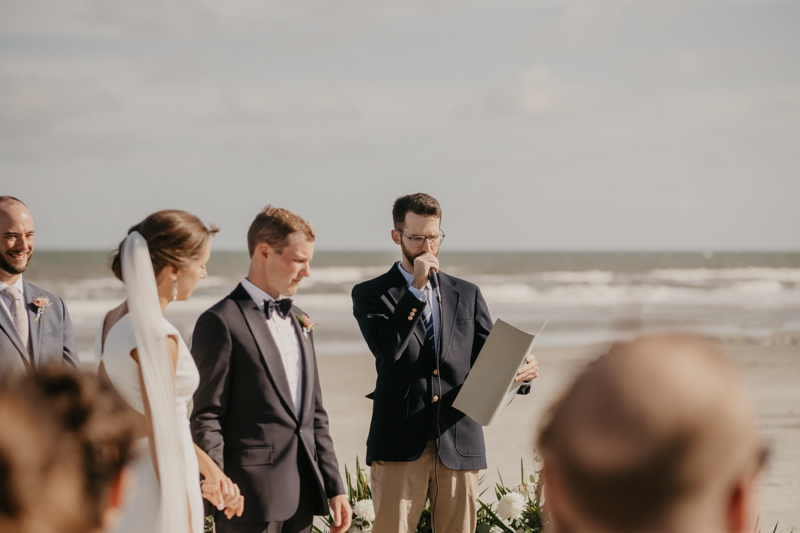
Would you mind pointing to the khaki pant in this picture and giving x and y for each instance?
(399, 490)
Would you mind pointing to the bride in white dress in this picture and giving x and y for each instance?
(149, 364)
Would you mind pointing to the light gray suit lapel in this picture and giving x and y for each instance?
(33, 326)
(8, 327)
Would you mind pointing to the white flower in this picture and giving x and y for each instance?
(365, 475)
(495, 529)
(525, 489)
(510, 506)
(354, 529)
(364, 510)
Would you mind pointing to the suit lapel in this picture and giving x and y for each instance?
(309, 364)
(8, 326)
(267, 347)
(450, 297)
(33, 326)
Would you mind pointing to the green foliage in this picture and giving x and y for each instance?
(531, 519)
(358, 490)
(208, 526)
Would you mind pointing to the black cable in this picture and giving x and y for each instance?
(438, 295)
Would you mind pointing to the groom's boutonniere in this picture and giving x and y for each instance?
(308, 325)
(42, 302)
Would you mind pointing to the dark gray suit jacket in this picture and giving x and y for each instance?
(50, 341)
(404, 413)
(244, 417)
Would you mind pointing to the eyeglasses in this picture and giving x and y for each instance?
(418, 240)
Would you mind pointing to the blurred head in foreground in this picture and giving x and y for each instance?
(655, 436)
(63, 446)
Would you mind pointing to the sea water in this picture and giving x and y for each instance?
(587, 297)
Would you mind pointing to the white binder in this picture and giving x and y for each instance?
(490, 385)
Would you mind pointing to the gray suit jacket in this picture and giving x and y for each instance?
(50, 341)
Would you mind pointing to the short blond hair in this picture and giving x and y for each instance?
(273, 225)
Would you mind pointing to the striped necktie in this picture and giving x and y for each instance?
(427, 318)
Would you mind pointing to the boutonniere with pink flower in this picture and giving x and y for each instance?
(42, 302)
(307, 324)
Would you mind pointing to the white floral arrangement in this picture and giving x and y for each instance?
(517, 509)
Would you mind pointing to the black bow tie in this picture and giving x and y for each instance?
(282, 307)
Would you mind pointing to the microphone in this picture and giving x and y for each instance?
(434, 280)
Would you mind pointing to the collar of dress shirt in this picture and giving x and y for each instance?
(410, 277)
(18, 284)
(258, 295)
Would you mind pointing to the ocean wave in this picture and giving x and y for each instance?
(342, 275)
(761, 294)
(698, 275)
(580, 276)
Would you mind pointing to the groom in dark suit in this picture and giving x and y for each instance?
(35, 329)
(425, 339)
(258, 410)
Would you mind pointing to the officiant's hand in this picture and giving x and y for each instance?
(528, 371)
(422, 269)
(342, 513)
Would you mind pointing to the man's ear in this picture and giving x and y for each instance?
(396, 236)
(117, 494)
(555, 498)
(741, 501)
(263, 249)
(117, 490)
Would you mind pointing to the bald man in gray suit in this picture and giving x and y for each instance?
(35, 329)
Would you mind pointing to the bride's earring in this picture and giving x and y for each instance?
(174, 290)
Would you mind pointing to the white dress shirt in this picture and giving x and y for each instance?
(6, 302)
(288, 342)
(426, 295)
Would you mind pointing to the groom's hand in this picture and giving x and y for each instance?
(223, 494)
(529, 371)
(342, 513)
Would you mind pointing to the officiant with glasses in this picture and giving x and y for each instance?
(425, 329)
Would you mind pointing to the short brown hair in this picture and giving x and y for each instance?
(273, 225)
(419, 204)
(67, 437)
(174, 238)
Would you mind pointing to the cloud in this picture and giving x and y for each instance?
(534, 92)
(285, 104)
(585, 22)
(32, 99)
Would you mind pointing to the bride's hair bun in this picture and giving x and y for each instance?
(174, 238)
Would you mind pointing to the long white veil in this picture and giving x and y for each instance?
(159, 381)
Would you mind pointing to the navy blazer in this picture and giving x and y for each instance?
(244, 417)
(51, 340)
(410, 395)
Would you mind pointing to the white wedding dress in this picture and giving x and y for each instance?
(141, 508)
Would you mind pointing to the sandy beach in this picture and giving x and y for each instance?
(770, 372)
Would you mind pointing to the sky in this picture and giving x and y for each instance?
(538, 124)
